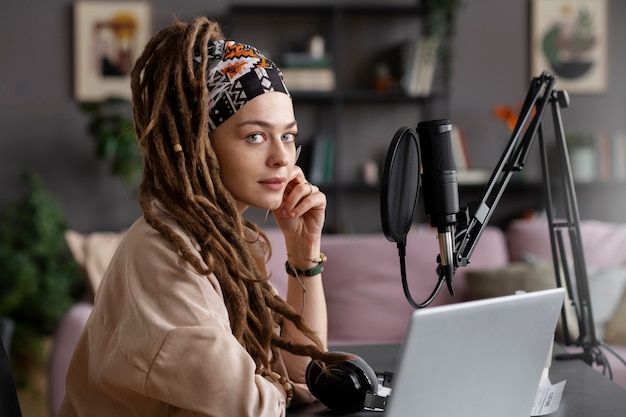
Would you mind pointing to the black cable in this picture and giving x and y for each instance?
(613, 352)
(405, 285)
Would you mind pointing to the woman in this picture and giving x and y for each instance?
(185, 321)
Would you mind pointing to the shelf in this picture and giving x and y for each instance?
(387, 10)
(370, 96)
(357, 187)
(350, 188)
(358, 96)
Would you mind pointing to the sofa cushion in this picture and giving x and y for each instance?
(93, 252)
(520, 276)
(603, 242)
(606, 289)
(615, 331)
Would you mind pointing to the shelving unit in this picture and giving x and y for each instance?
(360, 120)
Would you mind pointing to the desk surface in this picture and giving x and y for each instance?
(587, 392)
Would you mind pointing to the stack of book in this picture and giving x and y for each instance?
(465, 173)
(304, 72)
(419, 62)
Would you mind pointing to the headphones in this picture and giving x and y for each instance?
(348, 386)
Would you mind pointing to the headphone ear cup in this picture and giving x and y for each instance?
(341, 387)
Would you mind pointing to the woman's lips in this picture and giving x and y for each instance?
(274, 184)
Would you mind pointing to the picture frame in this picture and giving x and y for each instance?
(569, 38)
(108, 38)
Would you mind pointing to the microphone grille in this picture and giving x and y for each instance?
(436, 144)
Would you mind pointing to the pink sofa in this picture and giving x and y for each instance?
(363, 285)
(366, 303)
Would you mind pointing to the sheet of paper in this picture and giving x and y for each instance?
(548, 397)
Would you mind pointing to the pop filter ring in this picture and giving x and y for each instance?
(401, 178)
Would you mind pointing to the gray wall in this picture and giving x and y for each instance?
(42, 127)
(492, 66)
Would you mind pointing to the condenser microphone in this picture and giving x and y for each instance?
(440, 188)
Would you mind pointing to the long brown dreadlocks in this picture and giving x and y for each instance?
(181, 170)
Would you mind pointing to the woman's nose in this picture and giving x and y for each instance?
(280, 155)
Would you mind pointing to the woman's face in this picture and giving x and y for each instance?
(256, 150)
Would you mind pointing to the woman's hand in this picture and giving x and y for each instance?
(302, 213)
(301, 219)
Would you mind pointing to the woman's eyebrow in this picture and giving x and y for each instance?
(265, 124)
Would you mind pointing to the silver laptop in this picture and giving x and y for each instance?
(480, 358)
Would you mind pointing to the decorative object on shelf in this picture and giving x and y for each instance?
(383, 79)
(108, 37)
(507, 114)
(569, 38)
(111, 127)
(370, 172)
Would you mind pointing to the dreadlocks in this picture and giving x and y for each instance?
(181, 171)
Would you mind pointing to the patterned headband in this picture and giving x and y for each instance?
(236, 73)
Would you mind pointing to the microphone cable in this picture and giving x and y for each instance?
(405, 285)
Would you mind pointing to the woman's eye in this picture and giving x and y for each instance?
(256, 138)
(289, 137)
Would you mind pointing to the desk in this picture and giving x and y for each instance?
(587, 392)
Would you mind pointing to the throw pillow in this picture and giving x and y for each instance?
(615, 332)
(93, 252)
(520, 276)
(606, 289)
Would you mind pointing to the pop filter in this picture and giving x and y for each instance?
(400, 185)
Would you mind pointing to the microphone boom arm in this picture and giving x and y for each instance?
(474, 218)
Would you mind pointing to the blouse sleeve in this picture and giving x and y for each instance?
(205, 370)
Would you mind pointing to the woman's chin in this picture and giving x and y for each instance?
(267, 206)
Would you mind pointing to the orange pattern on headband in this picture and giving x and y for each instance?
(241, 51)
(234, 69)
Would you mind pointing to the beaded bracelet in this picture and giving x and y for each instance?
(287, 386)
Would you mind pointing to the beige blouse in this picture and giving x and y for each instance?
(159, 343)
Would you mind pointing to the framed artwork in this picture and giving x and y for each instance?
(569, 38)
(108, 38)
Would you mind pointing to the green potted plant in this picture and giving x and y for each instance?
(111, 126)
(441, 22)
(39, 279)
